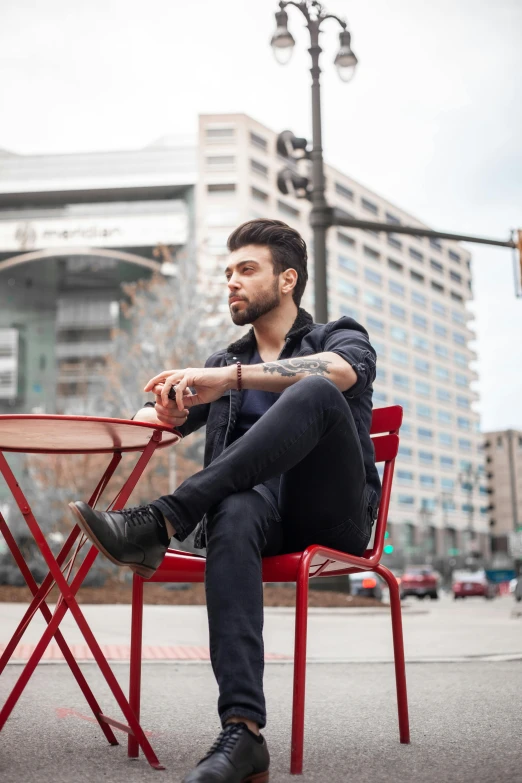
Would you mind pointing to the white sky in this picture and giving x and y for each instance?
(432, 119)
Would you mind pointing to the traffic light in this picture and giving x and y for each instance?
(519, 248)
(290, 180)
(388, 548)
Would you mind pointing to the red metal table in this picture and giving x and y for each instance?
(39, 434)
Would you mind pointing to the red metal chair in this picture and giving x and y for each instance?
(299, 567)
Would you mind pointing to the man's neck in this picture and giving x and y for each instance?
(271, 329)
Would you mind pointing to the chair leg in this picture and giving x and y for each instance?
(398, 653)
(298, 706)
(133, 748)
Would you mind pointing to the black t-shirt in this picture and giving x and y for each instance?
(253, 404)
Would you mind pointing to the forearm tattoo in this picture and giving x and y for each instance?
(292, 367)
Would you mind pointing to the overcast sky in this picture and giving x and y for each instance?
(432, 119)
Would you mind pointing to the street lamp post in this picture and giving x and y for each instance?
(321, 214)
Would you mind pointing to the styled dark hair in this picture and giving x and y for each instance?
(287, 247)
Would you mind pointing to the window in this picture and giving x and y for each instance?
(422, 389)
(351, 312)
(424, 411)
(418, 298)
(373, 301)
(454, 256)
(415, 276)
(396, 288)
(221, 161)
(404, 451)
(377, 326)
(344, 239)
(441, 351)
(347, 289)
(405, 405)
(287, 209)
(458, 317)
(258, 195)
(379, 397)
(443, 395)
(441, 372)
(439, 329)
(424, 434)
(221, 190)
(464, 444)
(395, 265)
(456, 297)
(460, 359)
(406, 500)
(435, 244)
(426, 457)
(463, 423)
(444, 417)
(258, 141)
(427, 482)
(437, 266)
(373, 277)
(380, 348)
(437, 287)
(343, 191)
(392, 219)
(394, 242)
(446, 462)
(347, 263)
(459, 338)
(220, 134)
(416, 255)
(463, 402)
(399, 357)
(399, 334)
(397, 311)
(461, 380)
(445, 439)
(258, 168)
(419, 321)
(405, 477)
(381, 375)
(369, 206)
(438, 308)
(447, 484)
(421, 364)
(370, 253)
(420, 343)
(402, 381)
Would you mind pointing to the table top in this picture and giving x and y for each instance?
(46, 434)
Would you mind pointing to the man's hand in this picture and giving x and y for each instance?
(169, 416)
(209, 384)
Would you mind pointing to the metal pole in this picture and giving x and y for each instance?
(512, 477)
(320, 214)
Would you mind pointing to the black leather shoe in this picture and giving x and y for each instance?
(132, 537)
(235, 757)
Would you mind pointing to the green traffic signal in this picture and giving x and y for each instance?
(388, 549)
(386, 535)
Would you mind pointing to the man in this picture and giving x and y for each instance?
(288, 463)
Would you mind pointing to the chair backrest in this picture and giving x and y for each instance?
(384, 431)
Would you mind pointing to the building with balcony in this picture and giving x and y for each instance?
(503, 453)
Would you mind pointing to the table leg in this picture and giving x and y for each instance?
(69, 602)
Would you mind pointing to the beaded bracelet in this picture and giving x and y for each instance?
(239, 384)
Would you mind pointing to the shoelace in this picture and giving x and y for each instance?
(226, 740)
(137, 516)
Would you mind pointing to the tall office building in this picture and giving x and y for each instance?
(503, 452)
(411, 295)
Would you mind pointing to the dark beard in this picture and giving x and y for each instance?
(255, 310)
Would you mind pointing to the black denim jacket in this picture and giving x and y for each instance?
(345, 337)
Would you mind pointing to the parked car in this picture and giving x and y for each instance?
(366, 583)
(421, 581)
(472, 583)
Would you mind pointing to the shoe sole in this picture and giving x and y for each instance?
(261, 777)
(141, 570)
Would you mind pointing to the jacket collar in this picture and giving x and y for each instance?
(302, 324)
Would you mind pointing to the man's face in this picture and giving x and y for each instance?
(253, 289)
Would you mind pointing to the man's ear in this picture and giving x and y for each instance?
(289, 280)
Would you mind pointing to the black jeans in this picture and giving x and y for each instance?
(308, 438)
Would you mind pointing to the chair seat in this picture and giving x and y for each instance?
(179, 566)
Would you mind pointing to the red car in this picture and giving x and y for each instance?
(421, 581)
(472, 583)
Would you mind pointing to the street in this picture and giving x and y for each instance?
(464, 678)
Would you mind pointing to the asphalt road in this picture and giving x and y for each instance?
(464, 680)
